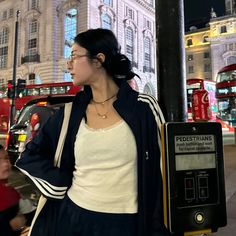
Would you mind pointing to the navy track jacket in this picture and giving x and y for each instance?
(144, 117)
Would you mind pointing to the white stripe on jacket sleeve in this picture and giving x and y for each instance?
(46, 188)
(156, 110)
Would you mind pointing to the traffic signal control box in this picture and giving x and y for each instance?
(21, 83)
(193, 177)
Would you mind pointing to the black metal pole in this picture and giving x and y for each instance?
(13, 110)
(171, 59)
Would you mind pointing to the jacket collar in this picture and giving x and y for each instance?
(126, 102)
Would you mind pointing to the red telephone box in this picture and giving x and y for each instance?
(201, 106)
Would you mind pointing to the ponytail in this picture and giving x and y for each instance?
(120, 67)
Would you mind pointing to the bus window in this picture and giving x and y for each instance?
(44, 91)
(189, 97)
(226, 94)
(58, 90)
(33, 92)
(222, 77)
(3, 94)
(68, 88)
(210, 87)
(23, 92)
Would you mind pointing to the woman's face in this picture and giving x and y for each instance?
(81, 68)
(5, 165)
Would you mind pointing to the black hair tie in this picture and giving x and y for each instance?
(121, 66)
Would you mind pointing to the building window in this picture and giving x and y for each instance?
(231, 60)
(228, 7)
(11, 12)
(231, 46)
(2, 83)
(189, 42)
(4, 15)
(190, 57)
(3, 57)
(151, 3)
(148, 24)
(33, 27)
(130, 43)
(205, 39)
(4, 36)
(129, 13)
(106, 21)
(206, 55)
(148, 89)
(223, 29)
(67, 77)
(33, 4)
(70, 26)
(147, 53)
(31, 78)
(32, 43)
(108, 2)
(32, 47)
(32, 38)
(190, 69)
(207, 67)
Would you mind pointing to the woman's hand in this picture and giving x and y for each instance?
(18, 223)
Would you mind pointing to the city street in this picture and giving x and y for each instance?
(230, 182)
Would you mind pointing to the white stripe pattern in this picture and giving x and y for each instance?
(45, 188)
(156, 110)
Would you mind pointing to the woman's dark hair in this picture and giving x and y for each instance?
(104, 41)
(1, 147)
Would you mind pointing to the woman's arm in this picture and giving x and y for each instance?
(37, 160)
(157, 227)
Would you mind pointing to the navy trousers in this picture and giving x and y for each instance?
(76, 221)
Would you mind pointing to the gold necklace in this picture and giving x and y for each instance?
(103, 116)
(96, 102)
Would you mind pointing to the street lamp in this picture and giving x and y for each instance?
(12, 114)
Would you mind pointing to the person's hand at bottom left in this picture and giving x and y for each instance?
(18, 223)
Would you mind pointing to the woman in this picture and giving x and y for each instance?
(110, 178)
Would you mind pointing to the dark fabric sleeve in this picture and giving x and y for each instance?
(37, 160)
(5, 217)
(158, 227)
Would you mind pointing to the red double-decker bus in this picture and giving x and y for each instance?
(226, 94)
(31, 91)
(211, 87)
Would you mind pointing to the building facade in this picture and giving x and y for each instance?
(211, 48)
(47, 28)
(198, 53)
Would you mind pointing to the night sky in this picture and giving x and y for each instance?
(197, 9)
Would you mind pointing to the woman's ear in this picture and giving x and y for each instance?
(100, 58)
